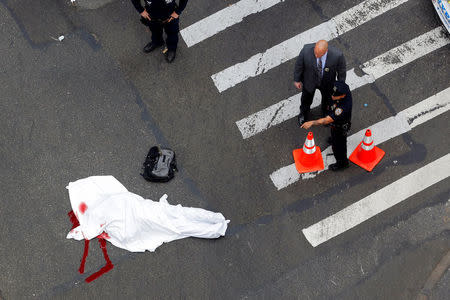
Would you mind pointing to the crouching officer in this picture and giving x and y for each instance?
(159, 15)
(339, 118)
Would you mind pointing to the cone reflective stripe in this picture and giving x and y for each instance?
(309, 158)
(367, 143)
(367, 155)
(309, 146)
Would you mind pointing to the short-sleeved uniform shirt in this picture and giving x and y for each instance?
(341, 110)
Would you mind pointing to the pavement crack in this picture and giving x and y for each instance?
(411, 120)
(269, 124)
(259, 68)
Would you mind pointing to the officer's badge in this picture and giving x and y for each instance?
(334, 88)
(327, 69)
(338, 111)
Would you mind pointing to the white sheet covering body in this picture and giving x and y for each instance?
(103, 204)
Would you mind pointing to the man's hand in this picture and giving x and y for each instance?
(145, 15)
(174, 15)
(307, 125)
(322, 121)
(298, 85)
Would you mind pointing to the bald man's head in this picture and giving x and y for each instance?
(321, 48)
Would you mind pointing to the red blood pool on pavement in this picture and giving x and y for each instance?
(82, 208)
(104, 235)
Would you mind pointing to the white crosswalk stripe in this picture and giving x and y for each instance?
(374, 69)
(382, 131)
(223, 19)
(273, 57)
(378, 202)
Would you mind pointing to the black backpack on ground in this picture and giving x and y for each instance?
(160, 165)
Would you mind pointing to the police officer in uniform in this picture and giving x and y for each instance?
(161, 15)
(339, 118)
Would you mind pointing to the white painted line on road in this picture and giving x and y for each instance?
(375, 69)
(378, 202)
(273, 57)
(223, 19)
(382, 131)
(289, 108)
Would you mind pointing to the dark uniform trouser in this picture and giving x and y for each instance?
(307, 99)
(171, 28)
(339, 145)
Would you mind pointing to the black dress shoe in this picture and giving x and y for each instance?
(170, 56)
(338, 166)
(151, 46)
(301, 119)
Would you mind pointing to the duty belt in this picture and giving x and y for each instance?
(345, 126)
(160, 21)
(163, 21)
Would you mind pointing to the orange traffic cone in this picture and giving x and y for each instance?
(367, 155)
(309, 158)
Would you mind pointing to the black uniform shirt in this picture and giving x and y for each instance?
(160, 9)
(341, 110)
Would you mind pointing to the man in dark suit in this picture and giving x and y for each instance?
(317, 67)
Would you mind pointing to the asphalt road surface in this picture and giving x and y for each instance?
(92, 103)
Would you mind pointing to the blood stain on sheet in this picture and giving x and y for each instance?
(104, 235)
(82, 208)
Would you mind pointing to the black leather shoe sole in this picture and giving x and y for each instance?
(150, 47)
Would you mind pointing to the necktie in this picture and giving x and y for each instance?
(319, 69)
